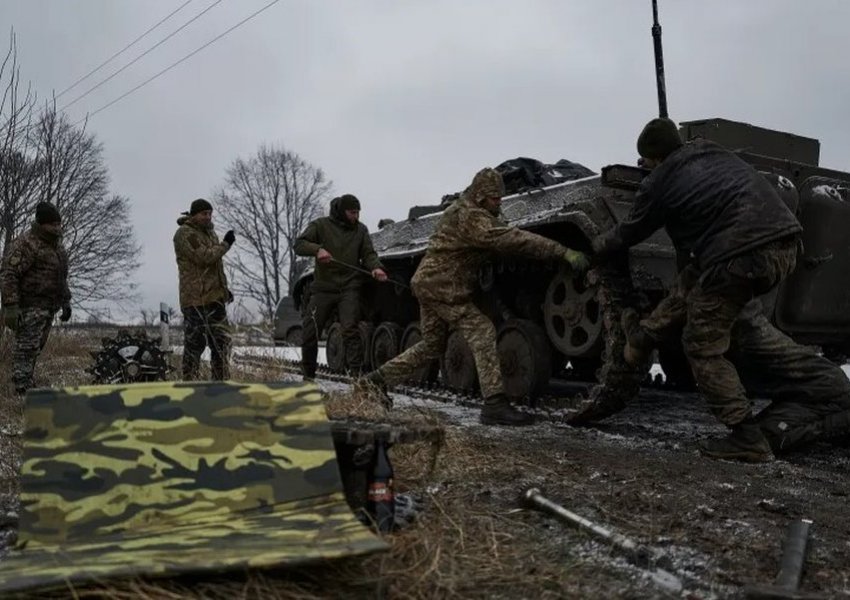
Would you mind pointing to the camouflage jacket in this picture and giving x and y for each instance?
(35, 271)
(199, 264)
(347, 242)
(466, 236)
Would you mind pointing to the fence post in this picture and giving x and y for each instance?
(164, 330)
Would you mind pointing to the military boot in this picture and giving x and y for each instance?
(498, 411)
(638, 344)
(374, 383)
(746, 442)
(836, 427)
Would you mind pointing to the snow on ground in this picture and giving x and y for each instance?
(282, 352)
(294, 353)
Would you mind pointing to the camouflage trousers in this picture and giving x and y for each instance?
(319, 311)
(713, 304)
(206, 326)
(33, 329)
(436, 320)
(804, 387)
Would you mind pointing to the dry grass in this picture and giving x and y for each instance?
(468, 543)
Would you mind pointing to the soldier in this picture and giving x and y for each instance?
(203, 291)
(469, 233)
(810, 396)
(738, 239)
(337, 240)
(34, 288)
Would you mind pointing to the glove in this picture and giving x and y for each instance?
(229, 237)
(66, 314)
(606, 243)
(10, 316)
(598, 244)
(578, 260)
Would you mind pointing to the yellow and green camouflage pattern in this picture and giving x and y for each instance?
(169, 478)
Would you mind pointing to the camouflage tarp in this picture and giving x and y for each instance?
(170, 478)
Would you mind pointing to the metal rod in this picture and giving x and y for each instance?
(637, 554)
(659, 62)
(367, 272)
(535, 499)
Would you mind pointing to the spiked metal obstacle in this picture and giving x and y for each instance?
(130, 358)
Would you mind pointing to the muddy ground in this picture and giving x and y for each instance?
(719, 525)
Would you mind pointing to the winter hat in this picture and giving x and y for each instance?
(199, 205)
(349, 202)
(658, 139)
(46, 213)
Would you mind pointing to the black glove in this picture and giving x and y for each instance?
(66, 314)
(230, 237)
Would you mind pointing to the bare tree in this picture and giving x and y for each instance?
(268, 200)
(17, 172)
(44, 157)
(150, 316)
(102, 249)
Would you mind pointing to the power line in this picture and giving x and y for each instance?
(143, 54)
(172, 65)
(120, 52)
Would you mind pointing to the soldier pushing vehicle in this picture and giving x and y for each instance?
(736, 241)
(338, 242)
(468, 233)
(203, 291)
(34, 288)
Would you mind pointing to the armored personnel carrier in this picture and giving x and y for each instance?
(549, 321)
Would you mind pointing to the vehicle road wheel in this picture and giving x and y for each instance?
(427, 374)
(367, 330)
(573, 317)
(457, 367)
(524, 357)
(335, 349)
(386, 342)
(293, 336)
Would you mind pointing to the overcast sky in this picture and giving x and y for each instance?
(401, 101)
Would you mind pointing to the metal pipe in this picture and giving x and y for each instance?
(638, 554)
(794, 554)
(367, 272)
(535, 499)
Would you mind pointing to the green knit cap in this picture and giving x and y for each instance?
(658, 139)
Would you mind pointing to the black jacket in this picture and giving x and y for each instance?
(713, 205)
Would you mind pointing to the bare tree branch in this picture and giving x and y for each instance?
(44, 157)
(268, 200)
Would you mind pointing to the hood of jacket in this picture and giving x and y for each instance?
(338, 214)
(185, 219)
